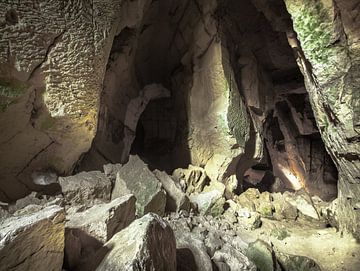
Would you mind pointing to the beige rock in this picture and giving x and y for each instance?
(34, 241)
(136, 178)
(86, 232)
(85, 187)
(176, 199)
(147, 244)
(193, 179)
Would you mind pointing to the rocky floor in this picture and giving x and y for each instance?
(130, 218)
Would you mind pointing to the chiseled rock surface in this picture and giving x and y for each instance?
(135, 178)
(85, 187)
(86, 232)
(147, 244)
(34, 241)
(176, 199)
(51, 79)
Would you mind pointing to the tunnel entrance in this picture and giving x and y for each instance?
(152, 101)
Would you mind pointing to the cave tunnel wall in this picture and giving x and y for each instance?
(91, 71)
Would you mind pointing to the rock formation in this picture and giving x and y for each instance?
(244, 112)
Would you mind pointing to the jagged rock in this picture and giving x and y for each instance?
(33, 242)
(85, 187)
(193, 179)
(248, 198)
(205, 200)
(135, 178)
(263, 256)
(110, 171)
(86, 232)
(147, 244)
(176, 199)
(249, 220)
(264, 205)
(234, 259)
(296, 263)
(302, 201)
(283, 209)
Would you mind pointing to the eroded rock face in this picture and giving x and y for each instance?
(52, 63)
(328, 55)
(33, 241)
(147, 244)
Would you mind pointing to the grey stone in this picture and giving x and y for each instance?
(176, 199)
(205, 200)
(85, 187)
(147, 244)
(135, 178)
(86, 232)
(34, 241)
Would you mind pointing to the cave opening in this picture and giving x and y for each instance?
(156, 104)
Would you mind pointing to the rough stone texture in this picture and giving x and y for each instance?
(193, 179)
(147, 244)
(33, 242)
(328, 49)
(86, 232)
(52, 63)
(85, 187)
(176, 199)
(136, 178)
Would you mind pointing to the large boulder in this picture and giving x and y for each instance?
(135, 177)
(85, 188)
(86, 232)
(147, 244)
(34, 241)
(176, 198)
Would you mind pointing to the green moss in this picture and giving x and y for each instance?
(218, 208)
(280, 234)
(9, 92)
(261, 254)
(266, 210)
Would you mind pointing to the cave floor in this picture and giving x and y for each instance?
(332, 250)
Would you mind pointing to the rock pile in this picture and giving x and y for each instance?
(112, 221)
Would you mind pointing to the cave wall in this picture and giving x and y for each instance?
(328, 49)
(52, 61)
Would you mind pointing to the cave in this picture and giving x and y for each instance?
(180, 135)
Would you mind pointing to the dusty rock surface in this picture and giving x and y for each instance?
(33, 241)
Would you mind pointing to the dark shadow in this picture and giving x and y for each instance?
(185, 260)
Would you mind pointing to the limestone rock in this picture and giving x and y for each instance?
(248, 198)
(205, 200)
(33, 242)
(193, 179)
(135, 177)
(176, 199)
(86, 232)
(233, 258)
(296, 263)
(85, 187)
(262, 255)
(147, 244)
(303, 202)
(283, 209)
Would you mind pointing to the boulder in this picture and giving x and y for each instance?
(205, 200)
(193, 179)
(85, 188)
(233, 258)
(248, 198)
(34, 241)
(283, 209)
(147, 244)
(176, 198)
(263, 256)
(135, 178)
(296, 263)
(303, 202)
(87, 231)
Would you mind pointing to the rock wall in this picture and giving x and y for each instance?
(328, 49)
(52, 62)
